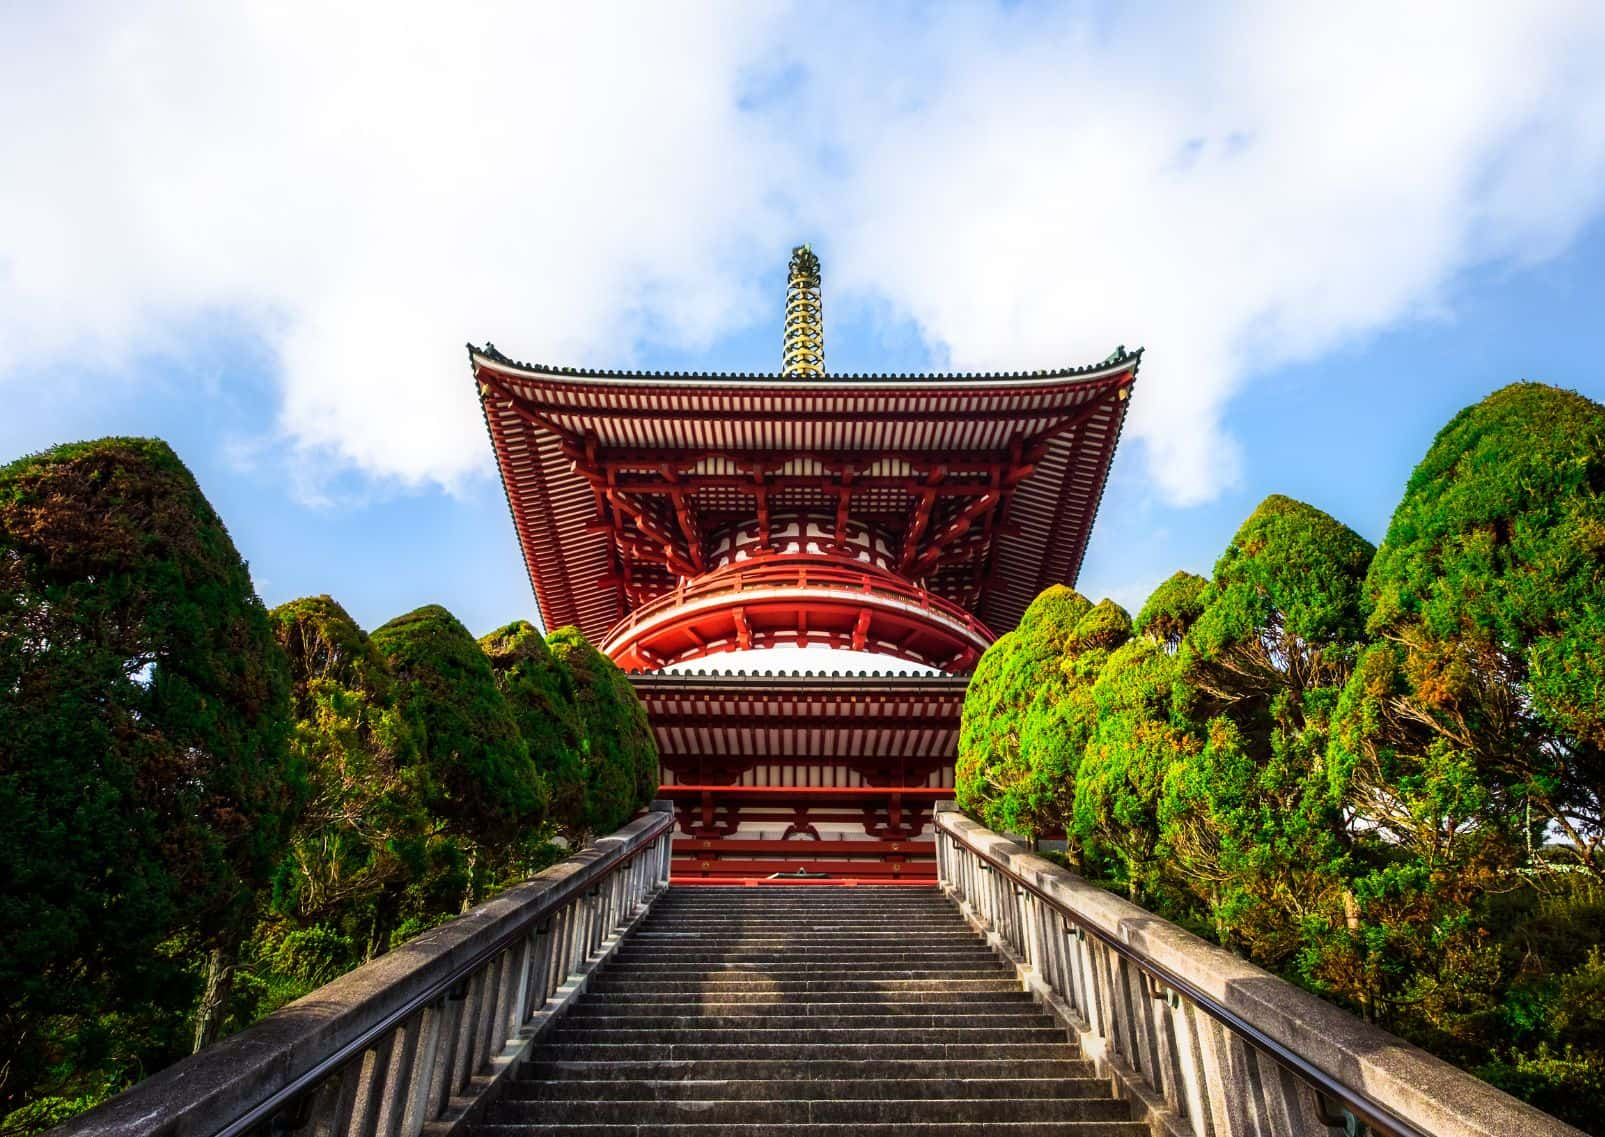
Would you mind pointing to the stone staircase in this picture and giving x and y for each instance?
(756, 1012)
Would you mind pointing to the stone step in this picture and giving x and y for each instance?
(839, 985)
(857, 908)
(821, 954)
(932, 913)
(812, 1129)
(692, 950)
(911, 924)
(693, 995)
(862, 1111)
(1003, 1004)
(934, 905)
(793, 971)
(545, 1067)
(765, 1036)
(589, 1017)
(807, 1051)
(693, 894)
(794, 1089)
(713, 960)
(785, 891)
(780, 915)
(780, 934)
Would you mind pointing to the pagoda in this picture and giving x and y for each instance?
(673, 517)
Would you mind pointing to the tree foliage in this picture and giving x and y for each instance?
(620, 753)
(194, 789)
(1030, 712)
(1378, 772)
(145, 783)
(365, 831)
(481, 780)
(1251, 816)
(541, 693)
(1482, 701)
(1139, 735)
(1172, 610)
(992, 773)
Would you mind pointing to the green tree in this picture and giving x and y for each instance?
(1139, 735)
(364, 833)
(978, 742)
(1470, 728)
(146, 788)
(540, 692)
(1028, 713)
(1251, 818)
(620, 753)
(481, 783)
(1479, 714)
(992, 775)
(1061, 719)
(1172, 609)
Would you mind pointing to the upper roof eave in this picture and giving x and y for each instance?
(1118, 361)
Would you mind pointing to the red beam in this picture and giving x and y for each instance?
(644, 410)
(621, 476)
(684, 881)
(922, 869)
(955, 529)
(916, 530)
(685, 514)
(833, 723)
(696, 846)
(650, 527)
(648, 458)
(819, 793)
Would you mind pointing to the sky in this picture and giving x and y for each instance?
(264, 233)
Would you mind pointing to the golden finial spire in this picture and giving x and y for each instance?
(805, 323)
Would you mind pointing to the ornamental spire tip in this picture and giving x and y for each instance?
(804, 348)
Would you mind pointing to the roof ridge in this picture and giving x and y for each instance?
(1119, 356)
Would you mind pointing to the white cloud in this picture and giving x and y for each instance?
(1233, 193)
(367, 189)
(374, 187)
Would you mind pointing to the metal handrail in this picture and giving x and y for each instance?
(1362, 1108)
(588, 896)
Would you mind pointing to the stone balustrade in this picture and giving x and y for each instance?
(420, 1037)
(1205, 1043)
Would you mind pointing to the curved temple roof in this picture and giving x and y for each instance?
(985, 486)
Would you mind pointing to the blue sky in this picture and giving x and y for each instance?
(1330, 231)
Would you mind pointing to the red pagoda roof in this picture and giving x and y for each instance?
(983, 488)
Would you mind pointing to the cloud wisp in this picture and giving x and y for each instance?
(1029, 187)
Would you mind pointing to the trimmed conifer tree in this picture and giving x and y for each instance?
(1028, 713)
(146, 786)
(1061, 720)
(481, 782)
(540, 692)
(1139, 736)
(992, 774)
(363, 834)
(1468, 740)
(1250, 818)
(1479, 713)
(620, 754)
